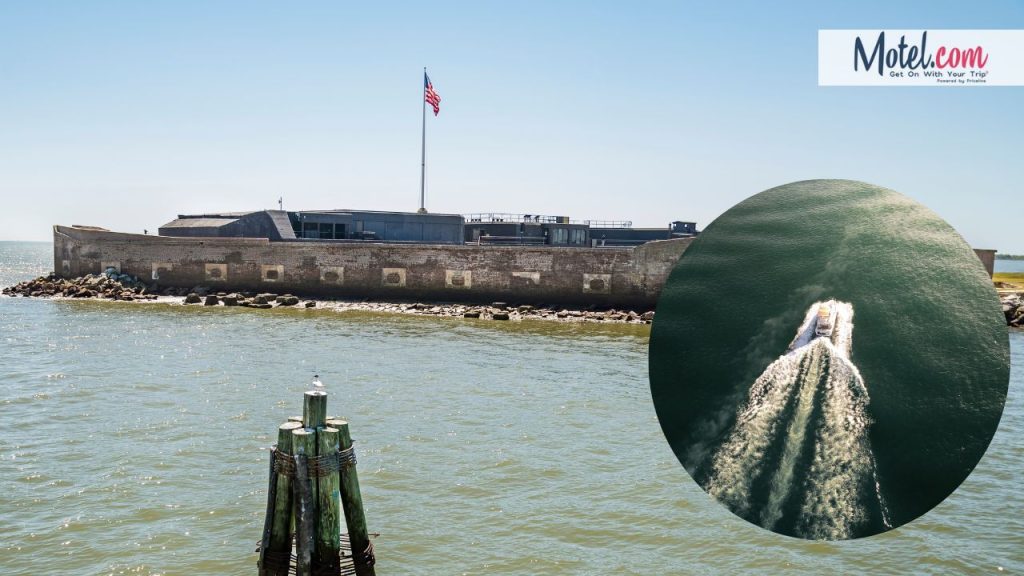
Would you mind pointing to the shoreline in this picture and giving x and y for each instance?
(439, 310)
(123, 288)
(111, 286)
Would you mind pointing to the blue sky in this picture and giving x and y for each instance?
(123, 114)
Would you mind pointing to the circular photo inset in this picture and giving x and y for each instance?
(829, 359)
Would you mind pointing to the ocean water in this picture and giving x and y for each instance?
(929, 344)
(133, 438)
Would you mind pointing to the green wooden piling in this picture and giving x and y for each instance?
(279, 545)
(328, 527)
(352, 504)
(314, 409)
(306, 498)
(304, 444)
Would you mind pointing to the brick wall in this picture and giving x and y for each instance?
(625, 277)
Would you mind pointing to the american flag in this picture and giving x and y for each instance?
(429, 95)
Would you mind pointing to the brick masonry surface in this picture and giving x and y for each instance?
(628, 277)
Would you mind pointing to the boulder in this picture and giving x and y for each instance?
(192, 298)
(230, 300)
(499, 316)
(211, 300)
(647, 316)
(310, 304)
(287, 300)
(471, 314)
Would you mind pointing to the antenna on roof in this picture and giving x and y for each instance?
(280, 203)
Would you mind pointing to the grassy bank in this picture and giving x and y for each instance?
(1010, 286)
(1009, 280)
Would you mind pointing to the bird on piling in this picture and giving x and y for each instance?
(318, 386)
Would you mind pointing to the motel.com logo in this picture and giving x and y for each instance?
(920, 57)
(910, 60)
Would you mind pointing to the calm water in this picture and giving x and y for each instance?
(1009, 266)
(133, 437)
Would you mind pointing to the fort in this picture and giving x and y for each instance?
(603, 276)
(394, 256)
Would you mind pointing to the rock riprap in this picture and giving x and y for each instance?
(1013, 309)
(115, 286)
(110, 285)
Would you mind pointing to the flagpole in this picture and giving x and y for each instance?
(423, 145)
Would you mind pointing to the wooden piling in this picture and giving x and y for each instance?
(304, 447)
(328, 527)
(312, 482)
(314, 409)
(352, 504)
(274, 558)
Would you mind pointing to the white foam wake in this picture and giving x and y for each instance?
(798, 452)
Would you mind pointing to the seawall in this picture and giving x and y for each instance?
(621, 277)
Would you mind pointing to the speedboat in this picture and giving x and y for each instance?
(826, 319)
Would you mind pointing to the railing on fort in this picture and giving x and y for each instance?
(609, 223)
(510, 240)
(518, 218)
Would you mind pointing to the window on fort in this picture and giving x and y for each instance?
(559, 236)
(339, 231)
(310, 230)
(326, 231)
(577, 236)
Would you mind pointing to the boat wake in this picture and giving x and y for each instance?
(798, 460)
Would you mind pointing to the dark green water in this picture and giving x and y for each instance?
(929, 338)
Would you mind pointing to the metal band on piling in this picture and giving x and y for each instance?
(316, 466)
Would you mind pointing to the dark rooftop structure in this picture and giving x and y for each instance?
(321, 225)
(530, 229)
(629, 236)
(421, 228)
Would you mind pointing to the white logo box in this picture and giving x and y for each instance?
(970, 57)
